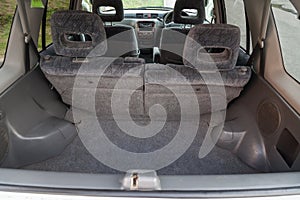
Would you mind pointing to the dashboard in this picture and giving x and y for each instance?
(148, 25)
(145, 14)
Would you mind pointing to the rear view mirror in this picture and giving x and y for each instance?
(296, 4)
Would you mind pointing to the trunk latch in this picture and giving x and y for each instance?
(141, 180)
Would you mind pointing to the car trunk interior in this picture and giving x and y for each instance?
(233, 154)
(260, 136)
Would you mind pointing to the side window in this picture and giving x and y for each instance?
(87, 5)
(235, 12)
(53, 6)
(6, 17)
(288, 27)
(209, 11)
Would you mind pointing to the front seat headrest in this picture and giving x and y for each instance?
(211, 47)
(116, 16)
(66, 25)
(198, 5)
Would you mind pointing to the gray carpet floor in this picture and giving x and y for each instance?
(76, 158)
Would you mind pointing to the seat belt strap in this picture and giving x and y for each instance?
(260, 45)
(253, 55)
(27, 37)
(44, 25)
(29, 43)
(27, 57)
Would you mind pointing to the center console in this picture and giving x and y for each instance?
(146, 33)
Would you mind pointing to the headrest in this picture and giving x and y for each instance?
(198, 5)
(212, 46)
(67, 25)
(118, 14)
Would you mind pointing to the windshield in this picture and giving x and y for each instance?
(131, 4)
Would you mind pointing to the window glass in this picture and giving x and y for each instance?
(157, 4)
(87, 5)
(128, 4)
(209, 11)
(6, 16)
(53, 6)
(289, 34)
(148, 3)
(235, 12)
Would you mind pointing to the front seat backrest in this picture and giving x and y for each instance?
(173, 38)
(122, 39)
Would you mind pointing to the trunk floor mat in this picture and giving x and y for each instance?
(76, 158)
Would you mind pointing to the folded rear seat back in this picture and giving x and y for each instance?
(210, 55)
(65, 24)
(79, 66)
(212, 47)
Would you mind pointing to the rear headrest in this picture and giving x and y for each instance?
(66, 25)
(118, 14)
(212, 45)
(198, 5)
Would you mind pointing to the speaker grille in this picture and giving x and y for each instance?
(268, 118)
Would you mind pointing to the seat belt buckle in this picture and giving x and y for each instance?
(27, 38)
(261, 43)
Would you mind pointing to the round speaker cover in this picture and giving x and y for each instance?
(268, 118)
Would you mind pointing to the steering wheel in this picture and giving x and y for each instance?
(168, 19)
